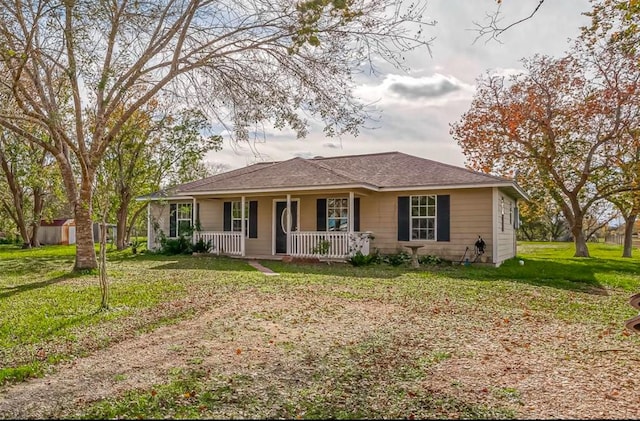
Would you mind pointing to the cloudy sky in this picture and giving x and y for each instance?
(417, 107)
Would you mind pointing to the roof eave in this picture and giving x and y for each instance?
(193, 194)
(157, 199)
(281, 189)
(514, 186)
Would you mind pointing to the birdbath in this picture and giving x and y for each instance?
(414, 255)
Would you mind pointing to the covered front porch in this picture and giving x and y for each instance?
(298, 224)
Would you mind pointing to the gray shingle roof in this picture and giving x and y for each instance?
(296, 172)
(396, 169)
(390, 170)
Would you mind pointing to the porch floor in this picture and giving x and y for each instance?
(257, 257)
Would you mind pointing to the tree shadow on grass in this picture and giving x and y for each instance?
(182, 262)
(9, 291)
(378, 271)
(224, 263)
(572, 275)
(32, 264)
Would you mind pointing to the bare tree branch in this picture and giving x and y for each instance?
(493, 30)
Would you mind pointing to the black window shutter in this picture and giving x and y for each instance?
(321, 215)
(173, 215)
(356, 214)
(403, 218)
(444, 216)
(198, 215)
(253, 219)
(227, 217)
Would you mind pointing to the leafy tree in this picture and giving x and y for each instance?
(568, 124)
(153, 149)
(554, 126)
(610, 44)
(81, 69)
(32, 185)
(542, 220)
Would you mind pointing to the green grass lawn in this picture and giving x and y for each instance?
(49, 315)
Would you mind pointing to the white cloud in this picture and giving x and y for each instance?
(434, 90)
(508, 72)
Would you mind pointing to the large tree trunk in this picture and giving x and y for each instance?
(82, 210)
(35, 228)
(104, 282)
(575, 218)
(629, 222)
(133, 220)
(17, 213)
(38, 206)
(580, 242)
(121, 225)
(85, 246)
(24, 233)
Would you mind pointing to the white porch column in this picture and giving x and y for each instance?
(193, 220)
(288, 224)
(242, 227)
(351, 211)
(150, 234)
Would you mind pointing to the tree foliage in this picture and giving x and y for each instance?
(564, 124)
(81, 69)
(612, 39)
(154, 149)
(31, 190)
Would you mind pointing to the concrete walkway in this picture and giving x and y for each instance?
(261, 268)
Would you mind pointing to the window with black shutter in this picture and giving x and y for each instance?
(424, 217)
(232, 220)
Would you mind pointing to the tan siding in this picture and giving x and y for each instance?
(211, 214)
(307, 221)
(308, 206)
(506, 238)
(262, 244)
(470, 217)
(212, 219)
(161, 213)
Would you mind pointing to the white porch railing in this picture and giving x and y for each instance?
(330, 244)
(222, 242)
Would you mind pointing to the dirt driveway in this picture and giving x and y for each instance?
(536, 369)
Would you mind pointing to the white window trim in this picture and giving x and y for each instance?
(511, 213)
(180, 206)
(346, 199)
(501, 213)
(434, 217)
(238, 204)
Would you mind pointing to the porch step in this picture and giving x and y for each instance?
(261, 268)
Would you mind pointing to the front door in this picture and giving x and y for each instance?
(281, 224)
